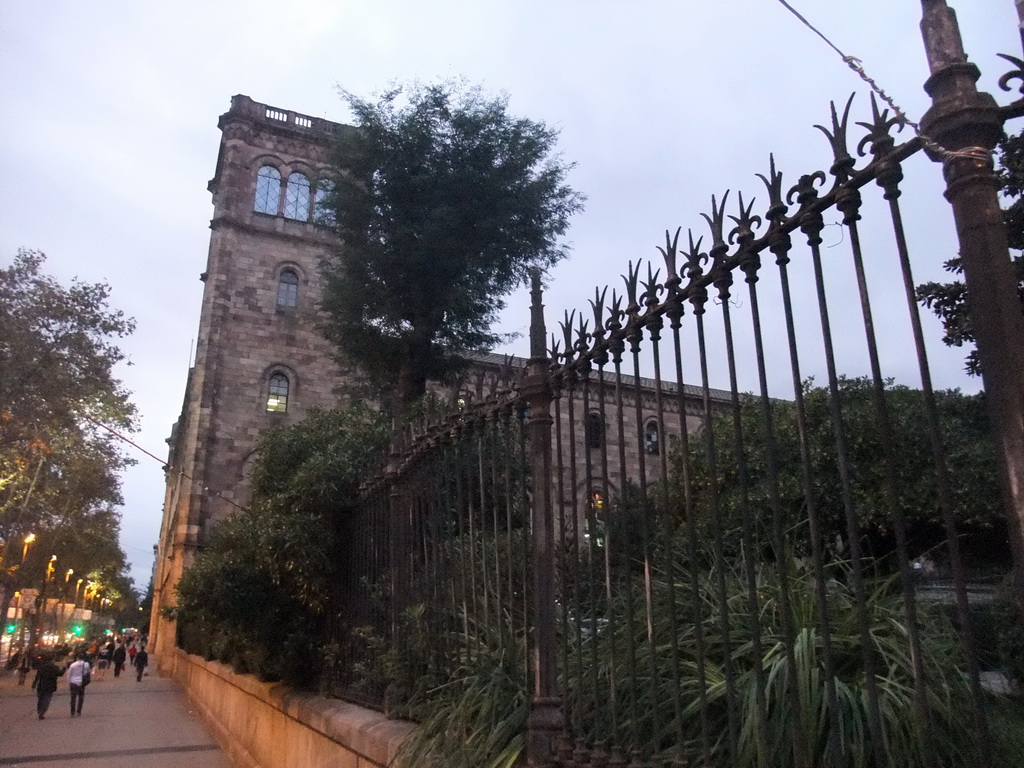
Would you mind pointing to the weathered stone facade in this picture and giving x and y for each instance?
(258, 322)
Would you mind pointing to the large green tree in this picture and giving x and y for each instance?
(443, 202)
(949, 300)
(59, 472)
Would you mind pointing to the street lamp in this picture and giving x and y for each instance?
(50, 568)
(78, 586)
(24, 550)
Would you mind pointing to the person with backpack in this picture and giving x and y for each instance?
(79, 675)
(45, 684)
(106, 656)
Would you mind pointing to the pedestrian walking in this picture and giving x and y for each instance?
(120, 654)
(24, 666)
(132, 650)
(141, 660)
(106, 655)
(45, 684)
(79, 675)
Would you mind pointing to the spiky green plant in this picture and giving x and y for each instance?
(645, 681)
(478, 720)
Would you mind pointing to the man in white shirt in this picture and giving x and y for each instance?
(78, 674)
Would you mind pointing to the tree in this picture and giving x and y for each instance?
(261, 594)
(964, 424)
(443, 202)
(949, 300)
(58, 471)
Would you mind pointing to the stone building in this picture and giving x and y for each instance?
(260, 360)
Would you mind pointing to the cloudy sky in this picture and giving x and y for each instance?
(109, 131)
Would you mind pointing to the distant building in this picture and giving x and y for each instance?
(260, 360)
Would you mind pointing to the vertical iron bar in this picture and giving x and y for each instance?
(485, 570)
(574, 510)
(510, 441)
(811, 225)
(565, 565)
(716, 516)
(625, 497)
(591, 534)
(849, 205)
(852, 524)
(635, 337)
(782, 565)
(494, 438)
(460, 540)
(724, 285)
(655, 327)
(675, 315)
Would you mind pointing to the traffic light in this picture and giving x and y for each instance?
(77, 630)
(11, 629)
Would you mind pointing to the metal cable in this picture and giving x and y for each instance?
(971, 153)
(167, 468)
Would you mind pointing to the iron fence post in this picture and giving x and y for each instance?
(968, 125)
(546, 720)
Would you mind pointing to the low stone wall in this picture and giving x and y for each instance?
(268, 725)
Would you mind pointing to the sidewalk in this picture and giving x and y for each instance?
(124, 724)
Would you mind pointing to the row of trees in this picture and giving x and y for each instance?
(59, 471)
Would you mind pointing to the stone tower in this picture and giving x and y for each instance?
(259, 358)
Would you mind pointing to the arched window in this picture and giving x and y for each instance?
(296, 197)
(288, 288)
(323, 214)
(594, 431)
(268, 190)
(652, 439)
(277, 394)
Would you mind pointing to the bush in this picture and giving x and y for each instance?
(259, 596)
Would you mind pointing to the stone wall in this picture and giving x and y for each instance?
(267, 725)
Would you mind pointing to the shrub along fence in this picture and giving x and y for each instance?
(678, 574)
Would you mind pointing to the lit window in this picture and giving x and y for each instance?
(288, 289)
(268, 190)
(296, 197)
(594, 431)
(652, 439)
(277, 394)
(323, 214)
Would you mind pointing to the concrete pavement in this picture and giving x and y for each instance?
(124, 724)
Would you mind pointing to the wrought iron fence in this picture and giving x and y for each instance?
(670, 535)
(438, 558)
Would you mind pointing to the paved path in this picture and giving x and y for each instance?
(124, 724)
